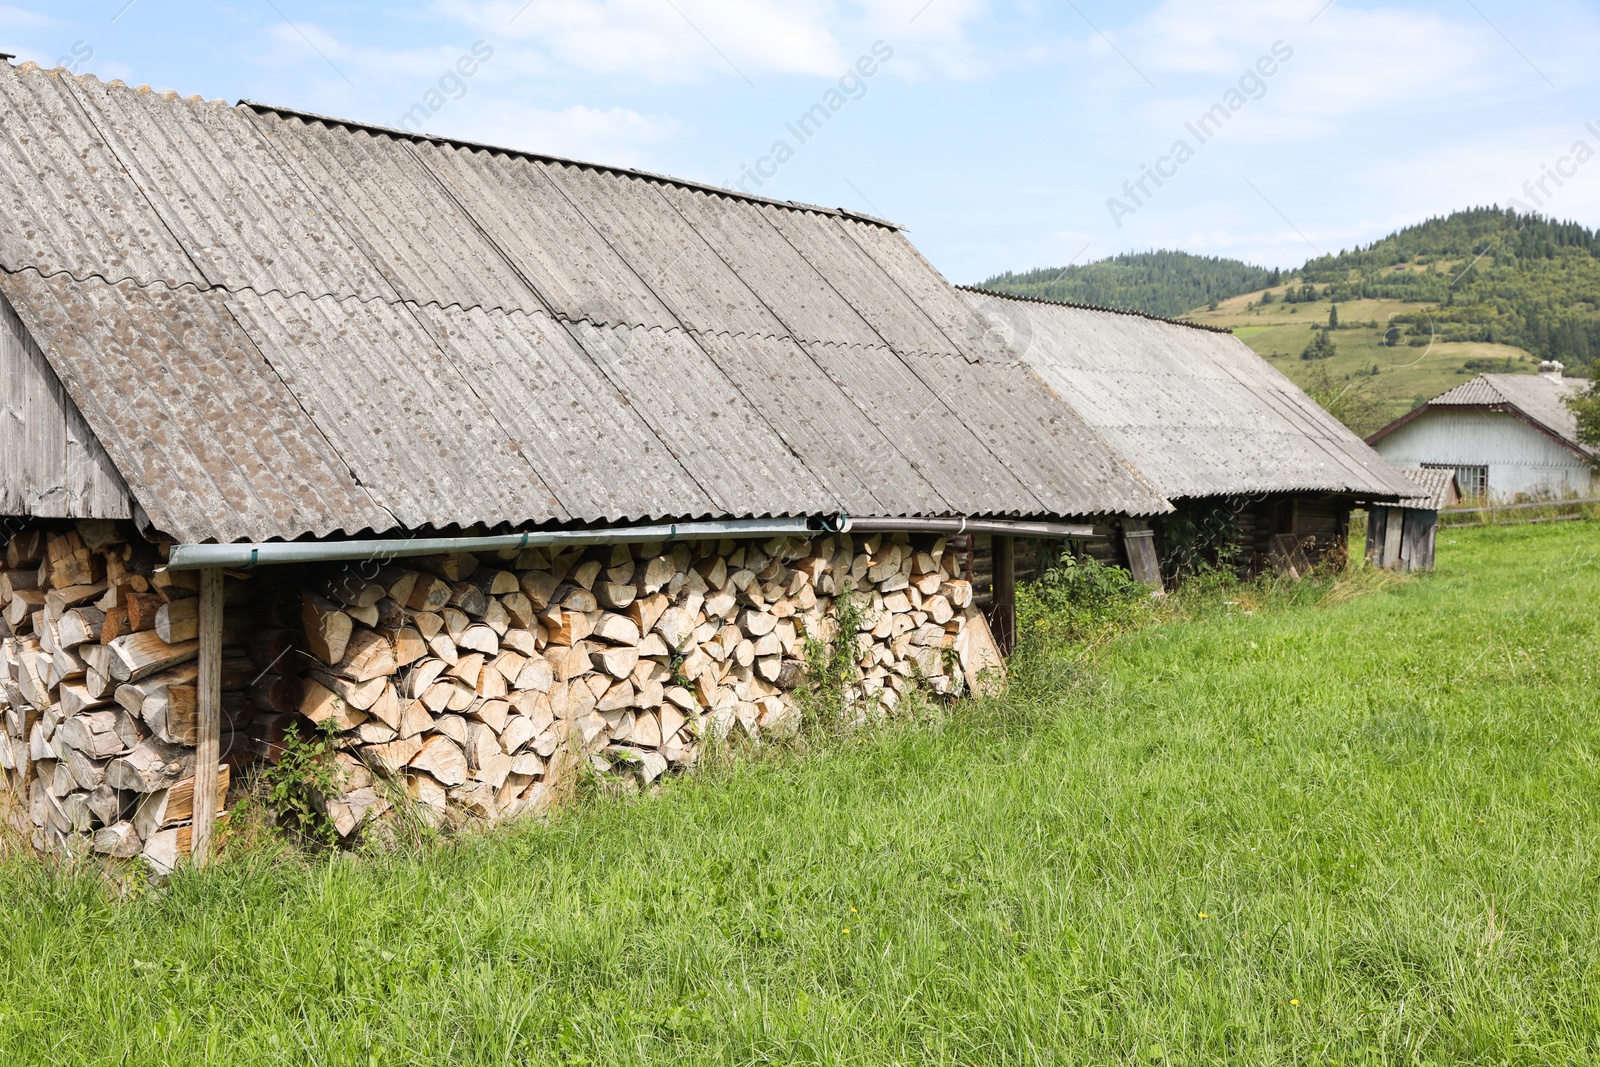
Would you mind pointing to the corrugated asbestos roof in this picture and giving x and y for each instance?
(280, 325)
(1540, 397)
(1438, 489)
(1196, 411)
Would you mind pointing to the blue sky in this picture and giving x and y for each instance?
(998, 133)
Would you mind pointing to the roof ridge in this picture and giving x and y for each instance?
(630, 172)
(1094, 307)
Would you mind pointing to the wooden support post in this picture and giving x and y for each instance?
(1140, 541)
(208, 714)
(1377, 529)
(1005, 594)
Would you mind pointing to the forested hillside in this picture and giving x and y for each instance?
(1484, 275)
(1158, 283)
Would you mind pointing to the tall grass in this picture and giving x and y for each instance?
(1348, 821)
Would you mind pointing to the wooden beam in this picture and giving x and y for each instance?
(1005, 594)
(208, 713)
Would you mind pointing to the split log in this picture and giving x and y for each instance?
(142, 610)
(132, 695)
(359, 695)
(409, 646)
(25, 547)
(646, 610)
(479, 639)
(76, 699)
(24, 602)
(615, 595)
(353, 591)
(69, 562)
(518, 731)
(367, 655)
(277, 693)
(616, 630)
(152, 765)
(496, 582)
(142, 654)
(179, 620)
(537, 675)
(114, 624)
(101, 734)
(539, 587)
(423, 675)
(617, 662)
(166, 807)
(415, 719)
(118, 841)
(391, 758)
(388, 708)
(80, 626)
(443, 760)
(675, 626)
(321, 704)
(327, 629)
(468, 599)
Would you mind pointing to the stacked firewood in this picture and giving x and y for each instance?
(487, 684)
(99, 670)
(480, 683)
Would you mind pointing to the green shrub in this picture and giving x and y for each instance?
(1079, 601)
(824, 696)
(300, 783)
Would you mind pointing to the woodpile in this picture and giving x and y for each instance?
(486, 683)
(98, 665)
(481, 683)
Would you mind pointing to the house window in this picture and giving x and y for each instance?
(1472, 481)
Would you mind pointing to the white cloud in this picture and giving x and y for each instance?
(675, 41)
(615, 136)
(1348, 63)
(662, 41)
(16, 18)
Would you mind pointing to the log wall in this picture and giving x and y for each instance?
(479, 683)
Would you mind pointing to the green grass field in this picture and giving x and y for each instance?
(1339, 822)
(1280, 332)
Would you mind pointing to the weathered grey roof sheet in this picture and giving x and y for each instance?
(1540, 397)
(1438, 489)
(281, 325)
(1195, 410)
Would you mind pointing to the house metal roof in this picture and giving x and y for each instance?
(1195, 410)
(280, 325)
(1537, 399)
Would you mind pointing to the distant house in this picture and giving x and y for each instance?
(1400, 537)
(1504, 435)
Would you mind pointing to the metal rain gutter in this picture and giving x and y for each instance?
(1001, 527)
(192, 557)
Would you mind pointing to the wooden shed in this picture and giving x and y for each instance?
(488, 463)
(1401, 536)
(1260, 476)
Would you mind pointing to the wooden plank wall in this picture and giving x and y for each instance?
(54, 468)
(1034, 556)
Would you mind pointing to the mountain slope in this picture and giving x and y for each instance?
(1158, 283)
